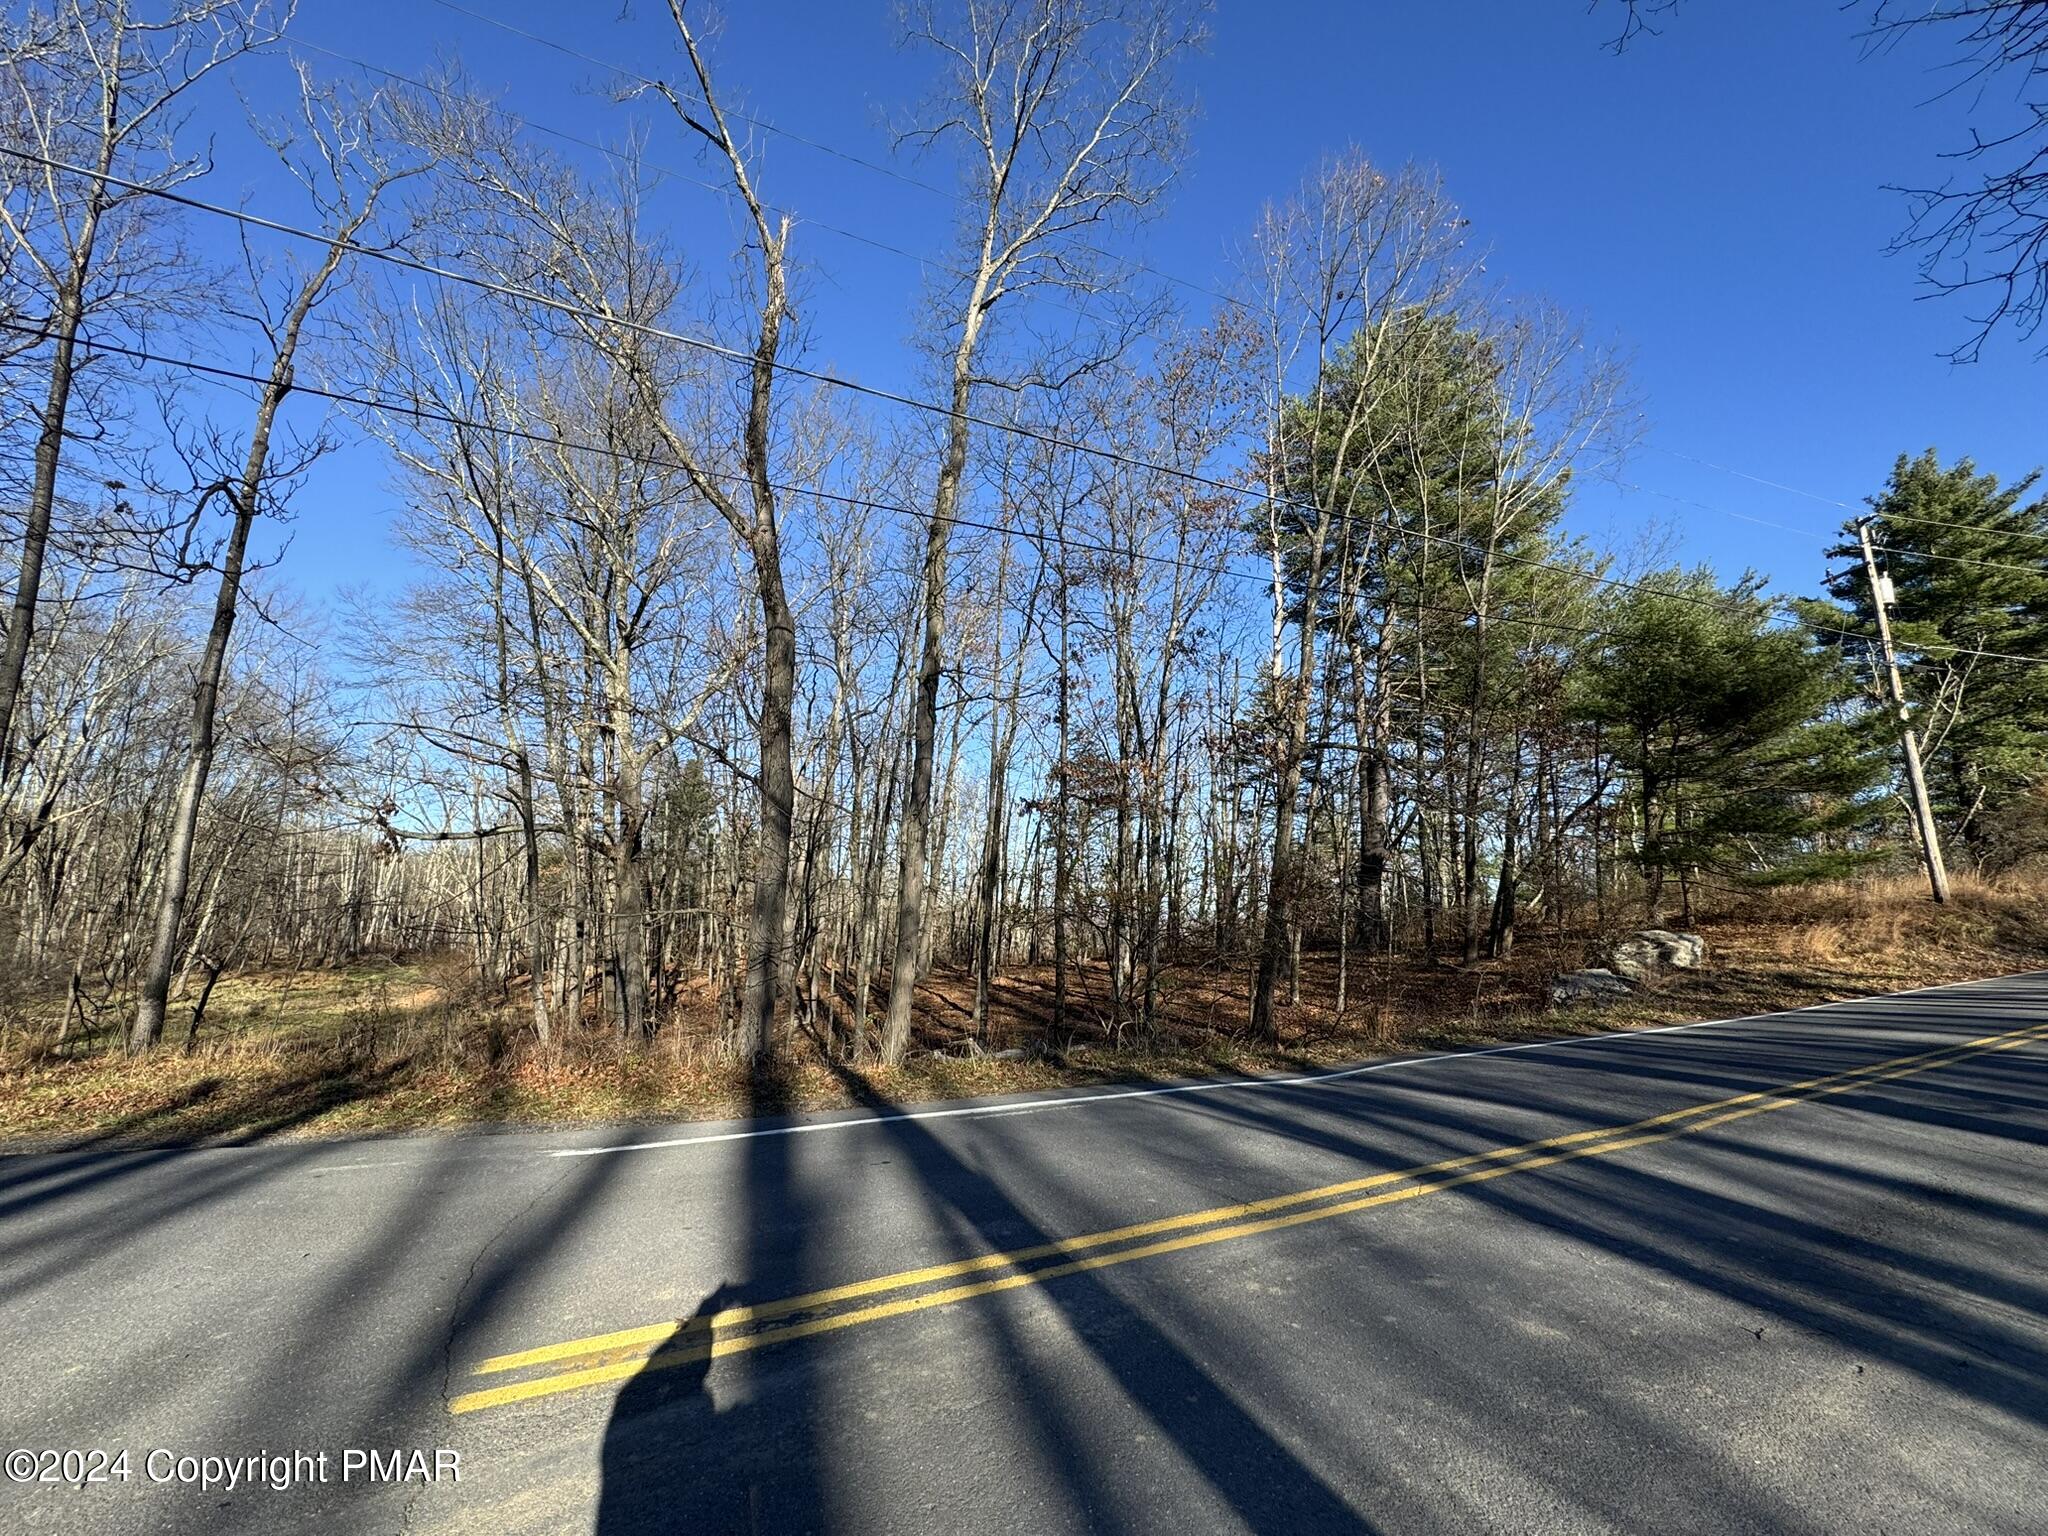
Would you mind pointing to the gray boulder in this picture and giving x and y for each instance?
(970, 1051)
(1594, 986)
(1643, 954)
(1680, 951)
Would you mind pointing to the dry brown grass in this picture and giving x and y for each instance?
(1884, 933)
(383, 1047)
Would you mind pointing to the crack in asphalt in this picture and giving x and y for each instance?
(459, 1303)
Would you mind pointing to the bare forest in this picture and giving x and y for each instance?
(1174, 657)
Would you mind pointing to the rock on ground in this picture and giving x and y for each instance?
(1644, 953)
(1598, 985)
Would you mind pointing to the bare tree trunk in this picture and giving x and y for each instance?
(629, 889)
(1062, 127)
(1501, 934)
(912, 854)
(137, 72)
(148, 1028)
(244, 496)
(1063, 857)
(767, 921)
(523, 798)
(1274, 946)
(1002, 733)
(42, 497)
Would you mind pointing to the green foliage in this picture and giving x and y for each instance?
(1969, 562)
(1406, 442)
(1730, 730)
(1401, 441)
(684, 807)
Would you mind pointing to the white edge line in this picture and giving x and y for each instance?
(1245, 1084)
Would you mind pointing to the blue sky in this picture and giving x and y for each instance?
(1714, 200)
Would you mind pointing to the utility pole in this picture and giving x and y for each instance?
(1923, 813)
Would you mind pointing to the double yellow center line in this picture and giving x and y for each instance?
(611, 1357)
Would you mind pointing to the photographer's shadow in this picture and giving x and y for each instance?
(655, 1471)
(676, 1462)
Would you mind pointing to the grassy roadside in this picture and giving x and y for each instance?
(384, 1048)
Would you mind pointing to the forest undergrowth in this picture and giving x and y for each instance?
(407, 1044)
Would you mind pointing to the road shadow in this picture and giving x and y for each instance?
(809, 1436)
(639, 1493)
(1263, 1481)
(1758, 1238)
(674, 1459)
(776, 1442)
(35, 1176)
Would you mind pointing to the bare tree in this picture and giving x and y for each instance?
(740, 487)
(1552, 404)
(1067, 118)
(347, 158)
(754, 522)
(1344, 272)
(1985, 235)
(92, 94)
(447, 369)
(1988, 237)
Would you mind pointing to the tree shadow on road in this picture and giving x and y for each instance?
(1242, 1462)
(793, 1442)
(1760, 1240)
(673, 1459)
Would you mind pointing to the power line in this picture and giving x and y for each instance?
(865, 503)
(860, 503)
(1978, 528)
(1987, 565)
(1742, 474)
(1762, 522)
(734, 355)
(1830, 501)
(1817, 534)
(428, 413)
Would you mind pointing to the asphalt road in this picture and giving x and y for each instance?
(1783, 1274)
